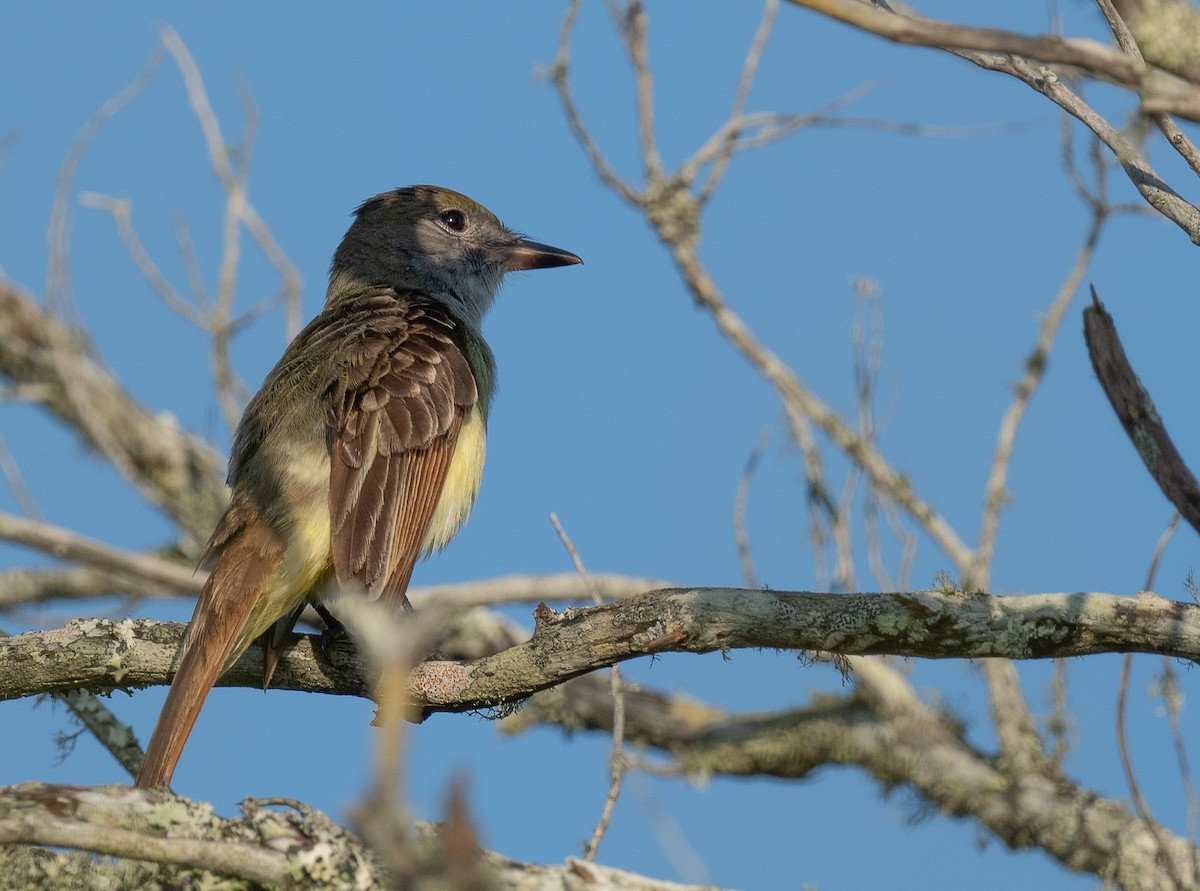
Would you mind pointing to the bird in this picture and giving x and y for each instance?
(363, 449)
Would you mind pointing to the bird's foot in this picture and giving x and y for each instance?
(333, 636)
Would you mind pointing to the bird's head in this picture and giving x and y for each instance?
(440, 241)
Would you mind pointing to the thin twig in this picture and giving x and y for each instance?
(844, 577)
(113, 734)
(121, 211)
(1173, 704)
(1158, 90)
(680, 853)
(67, 545)
(741, 534)
(630, 21)
(191, 263)
(866, 339)
(1135, 790)
(1058, 725)
(674, 212)
(232, 175)
(562, 84)
(58, 280)
(1154, 191)
(616, 762)
(16, 483)
(995, 496)
(1176, 138)
(1139, 800)
(1010, 53)
(1159, 547)
(721, 161)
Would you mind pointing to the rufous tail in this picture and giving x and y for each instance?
(214, 639)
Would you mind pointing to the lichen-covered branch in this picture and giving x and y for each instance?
(102, 656)
(161, 841)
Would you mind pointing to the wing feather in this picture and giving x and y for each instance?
(394, 413)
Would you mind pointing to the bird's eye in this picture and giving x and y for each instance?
(454, 220)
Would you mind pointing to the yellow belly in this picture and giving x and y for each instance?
(462, 483)
(309, 552)
(307, 565)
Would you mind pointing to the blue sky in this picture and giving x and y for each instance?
(620, 407)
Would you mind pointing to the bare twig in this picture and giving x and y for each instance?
(230, 165)
(1158, 90)
(1135, 790)
(867, 343)
(1010, 53)
(723, 155)
(995, 497)
(630, 21)
(1159, 547)
(58, 281)
(1058, 725)
(68, 545)
(121, 211)
(562, 84)
(16, 483)
(674, 212)
(616, 758)
(741, 533)
(1172, 698)
(1176, 138)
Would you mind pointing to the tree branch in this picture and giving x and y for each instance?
(1028, 59)
(68, 545)
(171, 468)
(898, 740)
(1162, 91)
(274, 843)
(1135, 410)
(103, 656)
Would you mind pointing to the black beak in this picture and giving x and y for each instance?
(526, 254)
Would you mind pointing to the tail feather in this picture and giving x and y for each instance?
(216, 637)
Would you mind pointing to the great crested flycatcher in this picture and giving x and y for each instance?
(363, 449)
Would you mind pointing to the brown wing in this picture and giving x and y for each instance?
(394, 413)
